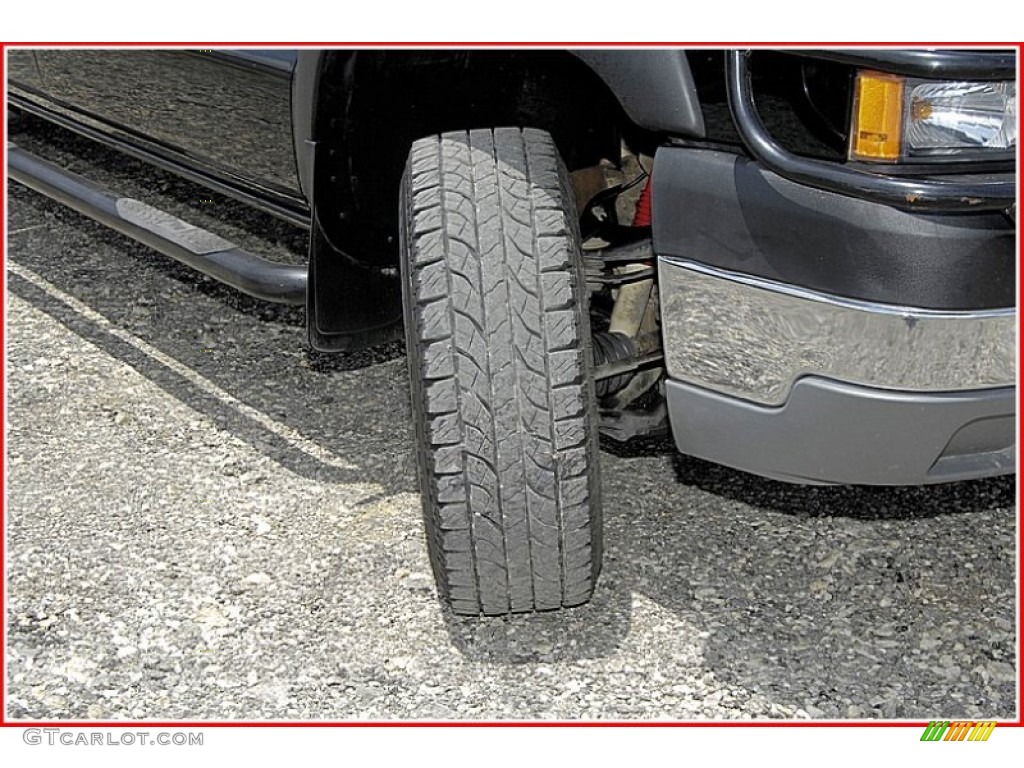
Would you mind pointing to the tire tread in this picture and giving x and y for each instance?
(498, 341)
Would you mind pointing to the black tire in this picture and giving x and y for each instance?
(498, 341)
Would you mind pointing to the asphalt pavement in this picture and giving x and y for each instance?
(205, 520)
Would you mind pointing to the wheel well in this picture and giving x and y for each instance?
(371, 106)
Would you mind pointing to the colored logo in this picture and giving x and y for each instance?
(958, 730)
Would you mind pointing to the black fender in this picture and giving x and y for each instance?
(354, 299)
(654, 87)
(305, 86)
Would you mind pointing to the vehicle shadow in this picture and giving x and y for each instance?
(878, 600)
(242, 363)
(858, 502)
(855, 600)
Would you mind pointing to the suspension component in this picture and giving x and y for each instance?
(610, 348)
(631, 301)
(642, 218)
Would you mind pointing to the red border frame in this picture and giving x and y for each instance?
(5, 723)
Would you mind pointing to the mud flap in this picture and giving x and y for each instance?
(349, 305)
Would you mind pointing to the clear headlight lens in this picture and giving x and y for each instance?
(897, 118)
(961, 115)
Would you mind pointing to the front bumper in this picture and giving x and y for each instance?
(829, 322)
(804, 386)
(753, 338)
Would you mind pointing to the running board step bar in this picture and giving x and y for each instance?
(191, 245)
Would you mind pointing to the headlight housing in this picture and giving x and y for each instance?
(905, 119)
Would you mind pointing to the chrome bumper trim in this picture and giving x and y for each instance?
(753, 338)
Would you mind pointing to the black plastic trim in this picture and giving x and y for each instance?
(917, 194)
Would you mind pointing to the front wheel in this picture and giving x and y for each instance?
(498, 339)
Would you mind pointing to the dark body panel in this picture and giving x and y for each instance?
(242, 121)
(225, 112)
(726, 211)
(23, 68)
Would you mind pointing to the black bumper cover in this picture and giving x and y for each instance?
(726, 211)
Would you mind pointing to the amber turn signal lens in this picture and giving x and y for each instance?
(877, 117)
